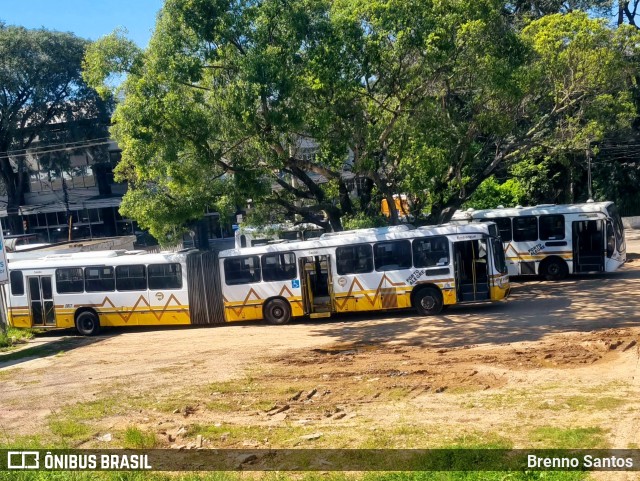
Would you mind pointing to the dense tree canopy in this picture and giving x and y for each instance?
(43, 100)
(286, 103)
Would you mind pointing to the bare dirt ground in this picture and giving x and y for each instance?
(557, 365)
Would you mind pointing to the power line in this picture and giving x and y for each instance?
(49, 151)
(31, 149)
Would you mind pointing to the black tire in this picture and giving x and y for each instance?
(554, 269)
(428, 301)
(277, 311)
(87, 323)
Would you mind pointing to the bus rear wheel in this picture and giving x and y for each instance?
(554, 269)
(428, 301)
(277, 311)
(88, 323)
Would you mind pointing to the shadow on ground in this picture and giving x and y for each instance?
(534, 310)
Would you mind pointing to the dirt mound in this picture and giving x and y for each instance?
(424, 369)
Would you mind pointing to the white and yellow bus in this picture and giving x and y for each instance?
(92, 289)
(365, 270)
(556, 240)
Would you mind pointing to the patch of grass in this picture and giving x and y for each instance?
(92, 410)
(6, 374)
(221, 406)
(24, 442)
(135, 438)
(481, 440)
(397, 393)
(12, 337)
(608, 402)
(549, 437)
(68, 429)
(232, 387)
(582, 403)
(285, 436)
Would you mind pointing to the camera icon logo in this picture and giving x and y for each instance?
(23, 460)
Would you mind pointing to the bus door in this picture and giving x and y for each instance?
(41, 305)
(317, 291)
(471, 270)
(588, 245)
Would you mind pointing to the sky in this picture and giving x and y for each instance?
(89, 19)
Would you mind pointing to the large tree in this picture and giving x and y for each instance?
(43, 101)
(426, 98)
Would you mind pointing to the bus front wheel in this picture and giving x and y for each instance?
(428, 301)
(88, 323)
(277, 311)
(554, 269)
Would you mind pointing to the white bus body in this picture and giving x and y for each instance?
(367, 270)
(371, 269)
(556, 240)
(92, 289)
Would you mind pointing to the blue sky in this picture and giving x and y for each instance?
(90, 19)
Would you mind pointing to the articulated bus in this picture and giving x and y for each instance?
(365, 270)
(556, 240)
(88, 290)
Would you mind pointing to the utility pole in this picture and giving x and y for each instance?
(4, 278)
(589, 173)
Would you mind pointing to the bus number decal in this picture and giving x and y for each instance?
(411, 280)
(536, 249)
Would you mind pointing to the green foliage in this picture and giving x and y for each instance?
(490, 194)
(103, 59)
(134, 438)
(576, 438)
(40, 75)
(361, 220)
(12, 337)
(424, 98)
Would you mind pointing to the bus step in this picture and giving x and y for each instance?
(316, 315)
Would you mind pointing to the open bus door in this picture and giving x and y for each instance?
(317, 286)
(41, 304)
(588, 245)
(471, 270)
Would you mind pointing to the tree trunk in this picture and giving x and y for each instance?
(15, 195)
(345, 201)
(334, 216)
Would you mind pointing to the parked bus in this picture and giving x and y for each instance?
(556, 240)
(88, 290)
(365, 270)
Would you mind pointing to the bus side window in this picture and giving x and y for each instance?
(504, 227)
(392, 255)
(164, 276)
(356, 259)
(69, 280)
(131, 278)
(17, 283)
(551, 227)
(278, 267)
(525, 228)
(99, 279)
(430, 252)
(242, 270)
